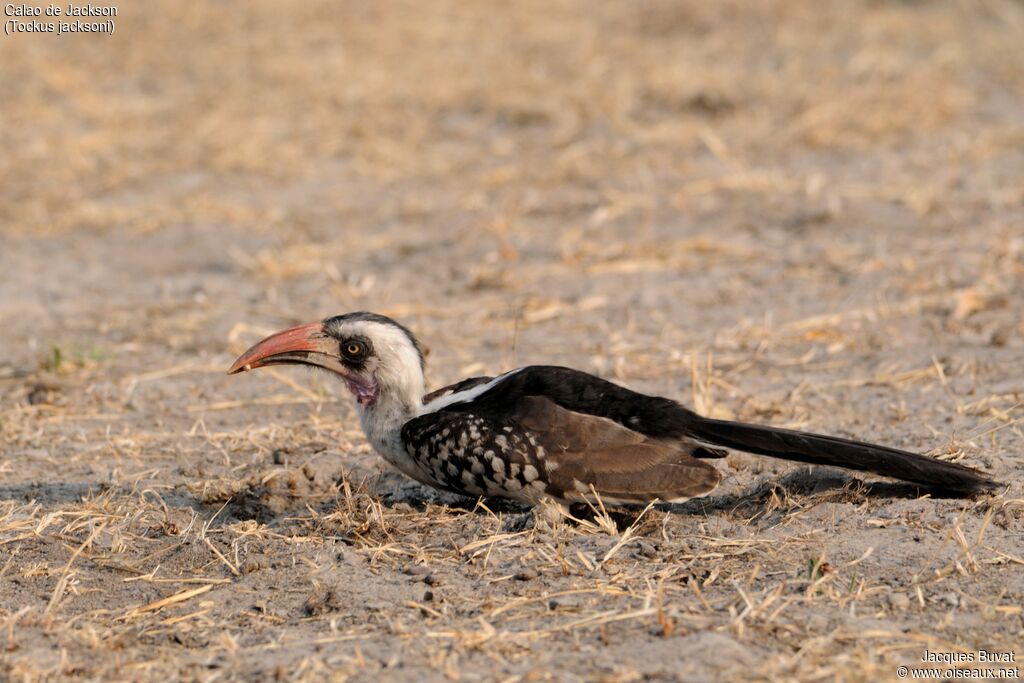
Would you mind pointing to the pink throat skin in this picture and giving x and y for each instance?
(364, 390)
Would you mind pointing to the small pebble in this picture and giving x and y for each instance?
(251, 565)
(899, 601)
(417, 570)
(645, 549)
(526, 575)
(566, 602)
(40, 394)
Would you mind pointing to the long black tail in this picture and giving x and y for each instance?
(819, 449)
(663, 418)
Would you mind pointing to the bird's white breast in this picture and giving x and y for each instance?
(383, 429)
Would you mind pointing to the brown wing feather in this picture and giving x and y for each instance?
(584, 450)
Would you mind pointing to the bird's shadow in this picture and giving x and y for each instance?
(51, 492)
(800, 483)
(55, 493)
(777, 495)
(787, 492)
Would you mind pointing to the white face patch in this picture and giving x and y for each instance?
(395, 362)
(396, 369)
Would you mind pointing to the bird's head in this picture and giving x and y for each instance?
(375, 356)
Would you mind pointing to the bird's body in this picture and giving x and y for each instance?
(551, 432)
(544, 432)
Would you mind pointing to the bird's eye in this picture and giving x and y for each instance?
(355, 350)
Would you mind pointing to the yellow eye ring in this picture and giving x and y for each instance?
(354, 349)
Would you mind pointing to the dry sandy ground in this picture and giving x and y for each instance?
(808, 214)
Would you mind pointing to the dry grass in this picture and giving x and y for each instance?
(802, 213)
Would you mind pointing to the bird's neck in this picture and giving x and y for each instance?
(383, 419)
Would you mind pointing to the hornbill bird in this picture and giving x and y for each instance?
(542, 432)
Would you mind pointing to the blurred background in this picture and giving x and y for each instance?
(805, 213)
(719, 201)
(657, 172)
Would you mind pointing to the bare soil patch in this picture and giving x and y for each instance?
(809, 214)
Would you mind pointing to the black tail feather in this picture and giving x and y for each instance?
(819, 449)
